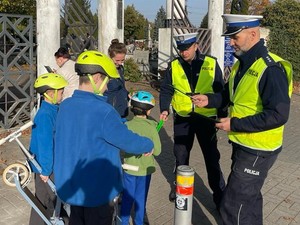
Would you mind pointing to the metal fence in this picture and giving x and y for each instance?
(17, 69)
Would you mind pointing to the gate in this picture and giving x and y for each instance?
(17, 70)
(180, 23)
(79, 27)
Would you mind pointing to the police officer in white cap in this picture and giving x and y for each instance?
(188, 74)
(258, 92)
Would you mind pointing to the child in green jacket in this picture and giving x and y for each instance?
(136, 183)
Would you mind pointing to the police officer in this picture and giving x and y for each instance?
(190, 73)
(259, 91)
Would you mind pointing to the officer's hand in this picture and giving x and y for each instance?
(164, 116)
(200, 100)
(224, 124)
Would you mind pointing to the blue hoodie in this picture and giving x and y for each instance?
(42, 137)
(87, 165)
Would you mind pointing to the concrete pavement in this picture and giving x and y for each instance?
(281, 190)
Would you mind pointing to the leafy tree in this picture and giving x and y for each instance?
(159, 22)
(239, 7)
(255, 7)
(132, 71)
(251, 7)
(135, 24)
(204, 23)
(283, 19)
(22, 7)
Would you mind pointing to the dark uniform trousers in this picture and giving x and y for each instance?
(242, 200)
(185, 129)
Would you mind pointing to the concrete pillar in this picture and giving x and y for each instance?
(48, 33)
(215, 24)
(149, 37)
(164, 47)
(110, 23)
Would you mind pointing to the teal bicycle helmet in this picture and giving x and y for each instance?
(143, 100)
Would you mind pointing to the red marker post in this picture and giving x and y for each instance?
(184, 195)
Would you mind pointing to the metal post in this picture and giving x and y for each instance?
(184, 195)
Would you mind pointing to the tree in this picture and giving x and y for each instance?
(239, 7)
(21, 7)
(159, 22)
(283, 20)
(255, 7)
(204, 23)
(135, 24)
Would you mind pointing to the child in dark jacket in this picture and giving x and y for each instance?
(136, 183)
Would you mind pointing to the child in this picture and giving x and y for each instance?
(51, 87)
(136, 183)
(89, 134)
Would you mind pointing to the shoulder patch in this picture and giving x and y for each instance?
(268, 60)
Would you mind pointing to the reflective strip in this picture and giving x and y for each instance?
(185, 180)
(244, 24)
(185, 190)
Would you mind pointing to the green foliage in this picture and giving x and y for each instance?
(135, 24)
(239, 7)
(132, 71)
(283, 19)
(255, 7)
(160, 21)
(21, 7)
(204, 23)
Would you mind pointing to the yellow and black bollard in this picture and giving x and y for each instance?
(184, 195)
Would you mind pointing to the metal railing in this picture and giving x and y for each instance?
(17, 69)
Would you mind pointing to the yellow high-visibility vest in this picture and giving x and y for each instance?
(246, 102)
(182, 103)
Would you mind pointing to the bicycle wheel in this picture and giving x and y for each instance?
(15, 168)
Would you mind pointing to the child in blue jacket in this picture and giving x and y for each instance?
(51, 87)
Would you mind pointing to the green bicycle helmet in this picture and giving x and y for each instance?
(91, 62)
(49, 81)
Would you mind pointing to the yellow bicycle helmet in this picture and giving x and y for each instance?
(91, 62)
(49, 81)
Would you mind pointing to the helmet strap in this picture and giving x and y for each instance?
(52, 100)
(96, 91)
(104, 82)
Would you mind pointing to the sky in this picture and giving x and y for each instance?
(196, 8)
(149, 8)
